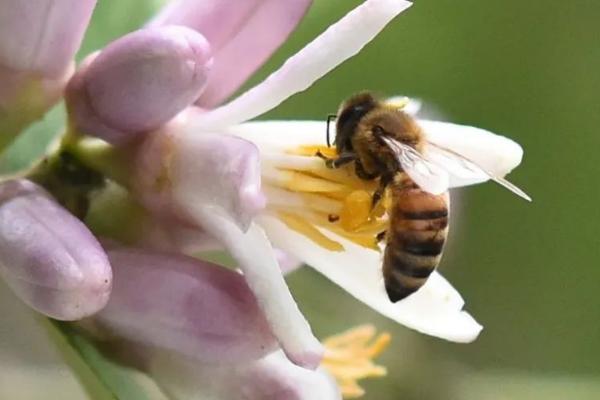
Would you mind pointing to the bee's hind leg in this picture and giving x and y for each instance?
(333, 163)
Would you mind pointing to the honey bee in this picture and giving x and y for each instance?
(388, 144)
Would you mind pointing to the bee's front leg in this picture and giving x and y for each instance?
(333, 163)
(362, 173)
(380, 191)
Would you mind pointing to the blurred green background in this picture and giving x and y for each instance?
(530, 273)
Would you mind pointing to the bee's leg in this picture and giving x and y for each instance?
(377, 196)
(360, 171)
(380, 236)
(380, 191)
(342, 159)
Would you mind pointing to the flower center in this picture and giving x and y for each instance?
(348, 357)
(314, 200)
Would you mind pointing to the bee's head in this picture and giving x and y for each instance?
(349, 115)
(394, 124)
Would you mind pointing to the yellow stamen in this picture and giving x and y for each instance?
(314, 149)
(344, 202)
(302, 182)
(348, 357)
(364, 236)
(301, 226)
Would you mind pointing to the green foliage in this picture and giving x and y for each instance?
(101, 378)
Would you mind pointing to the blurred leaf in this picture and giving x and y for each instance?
(521, 385)
(32, 143)
(113, 19)
(101, 378)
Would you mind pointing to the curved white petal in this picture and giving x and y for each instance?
(257, 260)
(338, 43)
(436, 309)
(281, 135)
(496, 154)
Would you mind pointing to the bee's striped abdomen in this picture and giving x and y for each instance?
(415, 238)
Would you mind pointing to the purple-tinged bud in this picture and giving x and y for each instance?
(139, 82)
(48, 257)
(183, 305)
(273, 377)
(242, 34)
(42, 36)
(39, 40)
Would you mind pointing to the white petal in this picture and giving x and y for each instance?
(435, 309)
(496, 154)
(257, 260)
(280, 135)
(338, 43)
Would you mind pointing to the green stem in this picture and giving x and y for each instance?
(78, 168)
(99, 156)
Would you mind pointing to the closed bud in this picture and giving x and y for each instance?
(139, 82)
(183, 305)
(48, 257)
(39, 41)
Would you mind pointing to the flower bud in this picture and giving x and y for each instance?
(139, 82)
(272, 377)
(39, 40)
(183, 305)
(243, 35)
(48, 257)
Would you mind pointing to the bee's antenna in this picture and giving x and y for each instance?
(329, 118)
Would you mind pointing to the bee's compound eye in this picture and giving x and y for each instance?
(378, 130)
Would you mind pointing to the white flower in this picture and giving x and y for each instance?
(173, 175)
(203, 168)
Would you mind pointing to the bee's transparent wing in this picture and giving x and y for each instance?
(461, 168)
(494, 154)
(428, 175)
(438, 167)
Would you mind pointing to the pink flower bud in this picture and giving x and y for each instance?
(243, 35)
(42, 36)
(183, 305)
(48, 257)
(272, 377)
(139, 82)
(39, 40)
